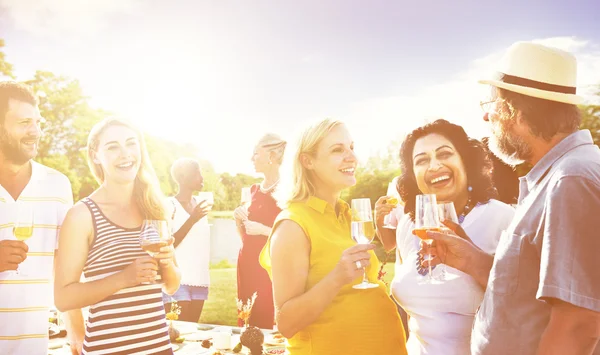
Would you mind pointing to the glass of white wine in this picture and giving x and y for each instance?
(393, 199)
(446, 211)
(363, 232)
(246, 197)
(208, 198)
(427, 219)
(154, 235)
(23, 229)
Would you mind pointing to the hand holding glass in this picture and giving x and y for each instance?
(427, 219)
(393, 198)
(363, 231)
(155, 235)
(23, 229)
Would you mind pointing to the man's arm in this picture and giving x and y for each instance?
(571, 330)
(570, 267)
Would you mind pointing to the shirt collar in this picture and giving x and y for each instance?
(569, 143)
(37, 171)
(321, 206)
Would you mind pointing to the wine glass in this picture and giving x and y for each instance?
(393, 199)
(23, 228)
(446, 211)
(427, 219)
(154, 235)
(363, 232)
(246, 197)
(208, 197)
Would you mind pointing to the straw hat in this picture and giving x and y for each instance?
(535, 70)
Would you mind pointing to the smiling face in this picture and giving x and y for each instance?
(20, 132)
(438, 168)
(118, 154)
(334, 162)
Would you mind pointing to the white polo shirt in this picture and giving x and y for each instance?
(25, 298)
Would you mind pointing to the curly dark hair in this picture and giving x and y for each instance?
(473, 154)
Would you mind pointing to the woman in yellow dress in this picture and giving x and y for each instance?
(314, 262)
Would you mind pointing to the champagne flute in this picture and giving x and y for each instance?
(23, 228)
(246, 197)
(154, 235)
(446, 211)
(427, 219)
(363, 232)
(209, 199)
(393, 199)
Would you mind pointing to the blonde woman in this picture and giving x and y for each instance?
(99, 238)
(254, 225)
(314, 262)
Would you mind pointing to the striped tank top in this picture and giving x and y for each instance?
(131, 321)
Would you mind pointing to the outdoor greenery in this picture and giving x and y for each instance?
(69, 117)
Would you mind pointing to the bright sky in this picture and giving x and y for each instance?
(221, 73)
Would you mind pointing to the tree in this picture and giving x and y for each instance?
(232, 186)
(590, 119)
(6, 69)
(68, 120)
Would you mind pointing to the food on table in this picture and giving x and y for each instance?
(206, 344)
(180, 340)
(252, 338)
(217, 352)
(275, 351)
(237, 348)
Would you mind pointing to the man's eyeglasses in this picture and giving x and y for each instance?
(488, 106)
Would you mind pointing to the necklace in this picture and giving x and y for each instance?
(265, 190)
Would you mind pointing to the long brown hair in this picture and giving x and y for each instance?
(147, 194)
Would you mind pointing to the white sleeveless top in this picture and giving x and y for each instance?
(441, 315)
(193, 253)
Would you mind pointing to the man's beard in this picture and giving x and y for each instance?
(10, 148)
(509, 147)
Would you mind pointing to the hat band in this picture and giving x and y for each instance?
(517, 80)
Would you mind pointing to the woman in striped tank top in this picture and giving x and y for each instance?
(100, 238)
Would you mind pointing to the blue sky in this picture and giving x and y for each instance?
(222, 72)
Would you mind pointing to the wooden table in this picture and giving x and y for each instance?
(195, 332)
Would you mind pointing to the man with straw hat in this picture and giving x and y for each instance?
(543, 284)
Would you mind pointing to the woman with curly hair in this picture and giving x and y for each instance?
(439, 158)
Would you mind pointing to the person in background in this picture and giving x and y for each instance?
(101, 239)
(439, 158)
(192, 240)
(542, 294)
(254, 226)
(314, 262)
(34, 193)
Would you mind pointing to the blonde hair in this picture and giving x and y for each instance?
(302, 185)
(273, 143)
(147, 194)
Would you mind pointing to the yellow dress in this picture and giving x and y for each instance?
(356, 322)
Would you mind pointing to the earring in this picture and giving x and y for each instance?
(270, 162)
(469, 189)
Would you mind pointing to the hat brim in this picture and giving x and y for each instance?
(540, 94)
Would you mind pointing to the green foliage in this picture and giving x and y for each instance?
(374, 177)
(223, 264)
(232, 187)
(6, 69)
(590, 119)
